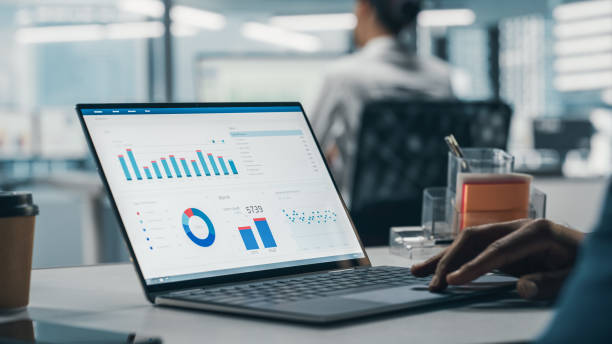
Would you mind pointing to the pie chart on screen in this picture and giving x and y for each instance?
(189, 220)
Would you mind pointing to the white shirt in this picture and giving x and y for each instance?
(381, 70)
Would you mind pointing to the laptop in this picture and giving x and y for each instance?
(230, 207)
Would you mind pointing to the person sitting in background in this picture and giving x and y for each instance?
(384, 68)
(543, 254)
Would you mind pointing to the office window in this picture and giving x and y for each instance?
(583, 53)
(469, 53)
(526, 73)
(57, 54)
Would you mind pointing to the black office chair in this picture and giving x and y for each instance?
(401, 151)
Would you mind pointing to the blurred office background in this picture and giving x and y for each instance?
(551, 60)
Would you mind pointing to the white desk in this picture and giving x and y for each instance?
(110, 297)
(573, 201)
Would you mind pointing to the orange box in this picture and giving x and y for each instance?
(483, 217)
(490, 198)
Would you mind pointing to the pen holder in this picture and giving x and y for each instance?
(477, 160)
(489, 192)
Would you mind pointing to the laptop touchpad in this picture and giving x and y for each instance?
(328, 306)
(396, 295)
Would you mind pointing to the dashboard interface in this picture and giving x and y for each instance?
(212, 191)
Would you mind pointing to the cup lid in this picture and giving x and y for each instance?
(17, 204)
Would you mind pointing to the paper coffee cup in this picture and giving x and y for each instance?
(17, 217)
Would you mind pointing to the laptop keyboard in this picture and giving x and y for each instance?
(304, 287)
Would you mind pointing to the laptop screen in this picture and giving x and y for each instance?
(213, 191)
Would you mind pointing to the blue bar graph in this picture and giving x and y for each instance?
(176, 167)
(248, 238)
(134, 164)
(195, 168)
(185, 167)
(223, 167)
(264, 232)
(166, 167)
(128, 176)
(214, 165)
(233, 166)
(201, 157)
(147, 173)
(156, 169)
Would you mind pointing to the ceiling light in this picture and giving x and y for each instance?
(584, 63)
(316, 22)
(183, 14)
(60, 33)
(197, 17)
(583, 28)
(454, 17)
(584, 81)
(80, 33)
(281, 37)
(150, 8)
(583, 9)
(584, 45)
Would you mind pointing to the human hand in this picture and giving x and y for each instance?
(540, 252)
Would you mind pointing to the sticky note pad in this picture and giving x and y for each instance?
(472, 219)
(489, 198)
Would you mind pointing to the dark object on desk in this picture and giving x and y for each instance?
(32, 331)
(401, 151)
(553, 139)
(562, 134)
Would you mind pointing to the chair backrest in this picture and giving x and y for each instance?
(401, 151)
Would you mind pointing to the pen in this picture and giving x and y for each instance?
(455, 149)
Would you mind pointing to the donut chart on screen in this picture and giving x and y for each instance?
(203, 242)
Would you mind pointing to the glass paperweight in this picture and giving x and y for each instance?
(413, 243)
(437, 209)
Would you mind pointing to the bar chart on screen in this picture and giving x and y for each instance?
(189, 165)
(264, 231)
